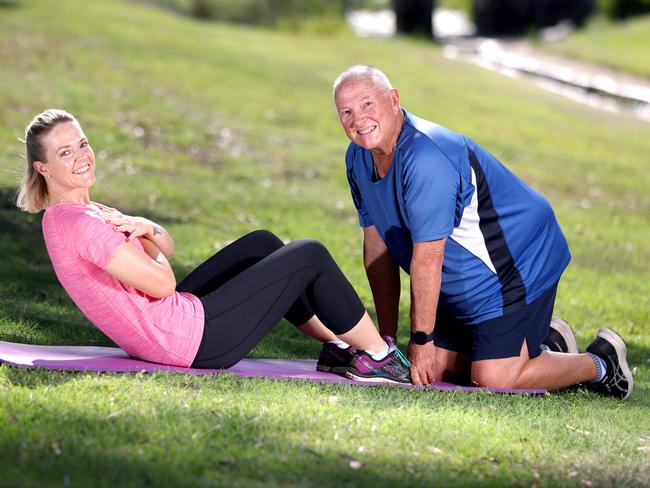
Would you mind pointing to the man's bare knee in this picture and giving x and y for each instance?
(496, 377)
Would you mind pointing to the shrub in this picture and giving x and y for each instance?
(619, 9)
(256, 12)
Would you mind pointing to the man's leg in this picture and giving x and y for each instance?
(452, 366)
(453, 343)
(550, 370)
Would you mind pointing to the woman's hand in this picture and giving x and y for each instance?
(141, 227)
(133, 226)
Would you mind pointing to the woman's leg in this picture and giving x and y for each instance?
(235, 258)
(241, 311)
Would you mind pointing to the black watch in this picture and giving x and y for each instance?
(421, 338)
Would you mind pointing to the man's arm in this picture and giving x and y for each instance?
(426, 275)
(383, 276)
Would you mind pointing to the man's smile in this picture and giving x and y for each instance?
(367, 130)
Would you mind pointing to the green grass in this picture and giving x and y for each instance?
(217, 130)
(623, 45)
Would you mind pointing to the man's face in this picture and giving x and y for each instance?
(369, 113)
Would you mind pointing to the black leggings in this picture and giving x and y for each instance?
(248, 286)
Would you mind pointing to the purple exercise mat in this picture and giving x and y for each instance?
(113, 359)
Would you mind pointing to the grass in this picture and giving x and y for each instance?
(619, 45)
(217, 130)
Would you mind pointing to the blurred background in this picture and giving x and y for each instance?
(502, 35)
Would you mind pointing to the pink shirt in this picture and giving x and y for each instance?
(80, 244)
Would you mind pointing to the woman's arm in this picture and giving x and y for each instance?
(141, 227)
(148, 270)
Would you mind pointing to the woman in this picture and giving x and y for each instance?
(115, 269)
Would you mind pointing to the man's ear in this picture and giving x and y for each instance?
(394, 95)
(41, 168)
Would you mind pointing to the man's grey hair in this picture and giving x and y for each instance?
(362, 71)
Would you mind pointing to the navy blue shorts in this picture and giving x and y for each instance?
(500, 337)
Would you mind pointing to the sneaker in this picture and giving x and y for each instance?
(333, 359)
(618, 380)
(561, 337)
(394, 368)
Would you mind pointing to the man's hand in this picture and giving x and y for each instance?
(423, 362)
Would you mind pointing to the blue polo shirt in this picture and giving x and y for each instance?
(504, 247)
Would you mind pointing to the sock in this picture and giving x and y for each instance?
(544, 348)
(339, 343)
(379, 355)
(601, 367)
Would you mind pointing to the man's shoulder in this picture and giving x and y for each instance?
(423, 135)
(354, 152)
(423, 142)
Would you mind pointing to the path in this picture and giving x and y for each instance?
(588, 83)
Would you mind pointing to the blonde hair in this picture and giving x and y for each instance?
(33, 196)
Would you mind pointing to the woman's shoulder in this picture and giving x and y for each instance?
(67, 213)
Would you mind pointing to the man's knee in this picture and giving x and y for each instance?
(495, 376)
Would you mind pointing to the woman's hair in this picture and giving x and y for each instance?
(32, 196)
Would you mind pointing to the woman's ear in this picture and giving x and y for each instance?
(41, 168)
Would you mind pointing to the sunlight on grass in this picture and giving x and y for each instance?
(622, 45)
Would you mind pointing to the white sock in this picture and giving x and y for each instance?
(339, 343)
(544, 348)
(379, 355)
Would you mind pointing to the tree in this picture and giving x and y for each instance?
(413, 17)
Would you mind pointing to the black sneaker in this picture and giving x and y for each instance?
(333, 359)
(394, 368)
(618, 380)
(561, 337)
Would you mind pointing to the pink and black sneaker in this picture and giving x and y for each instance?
(394, 368)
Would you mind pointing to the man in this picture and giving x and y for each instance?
(484, 252)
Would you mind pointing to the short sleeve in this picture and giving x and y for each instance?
(364, 218)
(430, 182)
(94, 239)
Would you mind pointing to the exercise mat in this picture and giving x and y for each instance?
(115, 360)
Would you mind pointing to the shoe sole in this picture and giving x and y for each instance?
(621, 352)
(373, 379)
(567, 334)
(335, 370)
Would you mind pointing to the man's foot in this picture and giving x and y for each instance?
(561, 337)
(618, 381)
(394, 368)
(333, 359)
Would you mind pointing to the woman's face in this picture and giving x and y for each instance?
(70, 161)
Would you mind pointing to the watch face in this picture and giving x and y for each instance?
(421, 338)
